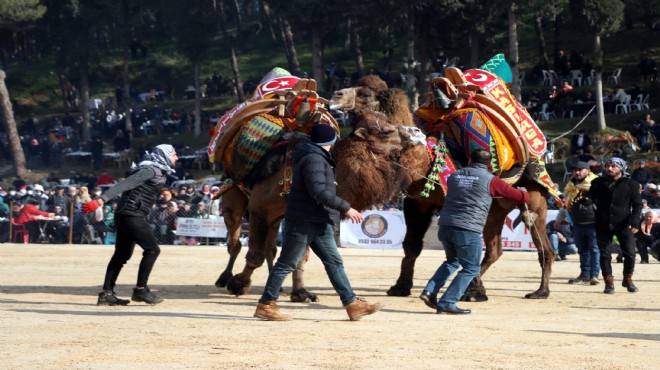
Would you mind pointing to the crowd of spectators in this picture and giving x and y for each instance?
(50, 210)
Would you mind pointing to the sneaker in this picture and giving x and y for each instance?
(581, 280)
(360, 307)
(270, 311)
(594, 280)
(145, 295)
(431, 300)
(108, 298)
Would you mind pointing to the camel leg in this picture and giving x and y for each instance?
(298, 292)
(234, 204)
(539, 205)
(258, 250)
(476, 291)
(418, 219)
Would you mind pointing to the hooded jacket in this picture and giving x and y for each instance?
(313, 195)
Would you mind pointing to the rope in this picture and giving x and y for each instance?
(576, 126)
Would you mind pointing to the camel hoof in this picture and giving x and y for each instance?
(396, 291)
(223, 279)
(474, 297)
(303, 296)
(537, 295)
(238, 286)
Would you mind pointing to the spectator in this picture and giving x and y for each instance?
(582, 212)
(641, 173)
(97, 153)
(581, 141)
(644, 236)
(27, 216)
(618, 208)
(641, 130)
(560, 233)
(105, 178)
(648, 68)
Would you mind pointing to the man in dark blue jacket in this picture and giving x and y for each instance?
(618, 212)
(312, 211)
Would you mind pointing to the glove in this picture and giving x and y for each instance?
(90, 206)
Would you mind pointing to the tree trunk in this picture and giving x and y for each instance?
(198, 107)
(598, 66)
(239, 20)
(317, 58)
(356, 47)
(543, 49)
(513, 49)
(7, 117)
(83, 93)
(268, 19)
(294, 65)
(473, 40)
(411, 84)
(238, 83)
(126, 81)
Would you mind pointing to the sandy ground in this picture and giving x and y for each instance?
(49, 318)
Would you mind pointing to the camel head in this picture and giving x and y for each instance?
(372, 162)
(372, 93)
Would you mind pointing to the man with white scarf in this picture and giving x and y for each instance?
(139, 191)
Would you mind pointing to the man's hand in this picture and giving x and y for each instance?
(355, 216)
(90, 206)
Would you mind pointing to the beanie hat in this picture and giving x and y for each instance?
(619, 163)
(323, 135)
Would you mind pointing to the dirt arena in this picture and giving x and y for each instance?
(49, 318)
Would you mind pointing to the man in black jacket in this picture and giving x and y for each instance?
(139, 192)
(618, 211)
(312, 211)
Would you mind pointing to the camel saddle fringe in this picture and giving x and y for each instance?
(244, 134)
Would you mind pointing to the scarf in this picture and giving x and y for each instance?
(160, 157)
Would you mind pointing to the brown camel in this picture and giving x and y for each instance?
(262, 195)
(365, 178)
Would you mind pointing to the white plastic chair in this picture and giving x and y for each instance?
(615, 78)
(589, 80)
(637, 104)
(623, 106)
(545, 114)
(555, 77)
(567, 172)
(645, 102)
(547, 78)
(576, 77)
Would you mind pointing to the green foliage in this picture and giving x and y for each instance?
(16, 14)
(602, 17)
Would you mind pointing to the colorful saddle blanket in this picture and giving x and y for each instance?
(255, 139)
(466, 130)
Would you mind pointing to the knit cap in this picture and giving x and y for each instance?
(323, 135)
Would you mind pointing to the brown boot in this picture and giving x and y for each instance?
(609, 284)
(360, 307)
(628, 283)
(271, 312)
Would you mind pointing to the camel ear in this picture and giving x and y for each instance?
(361, 132)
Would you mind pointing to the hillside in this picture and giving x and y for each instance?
(34, 87)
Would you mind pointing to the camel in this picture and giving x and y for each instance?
(261, 191)
(365, 178)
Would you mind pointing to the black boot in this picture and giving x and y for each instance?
(628, 283)
(145, 295)
(609, 284)
(108, 298)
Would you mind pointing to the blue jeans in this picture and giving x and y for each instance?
(462, 248)
(561, 248)
(321, 238)
(585, 240)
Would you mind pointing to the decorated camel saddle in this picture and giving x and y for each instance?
(474, 109)
(281, 104)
